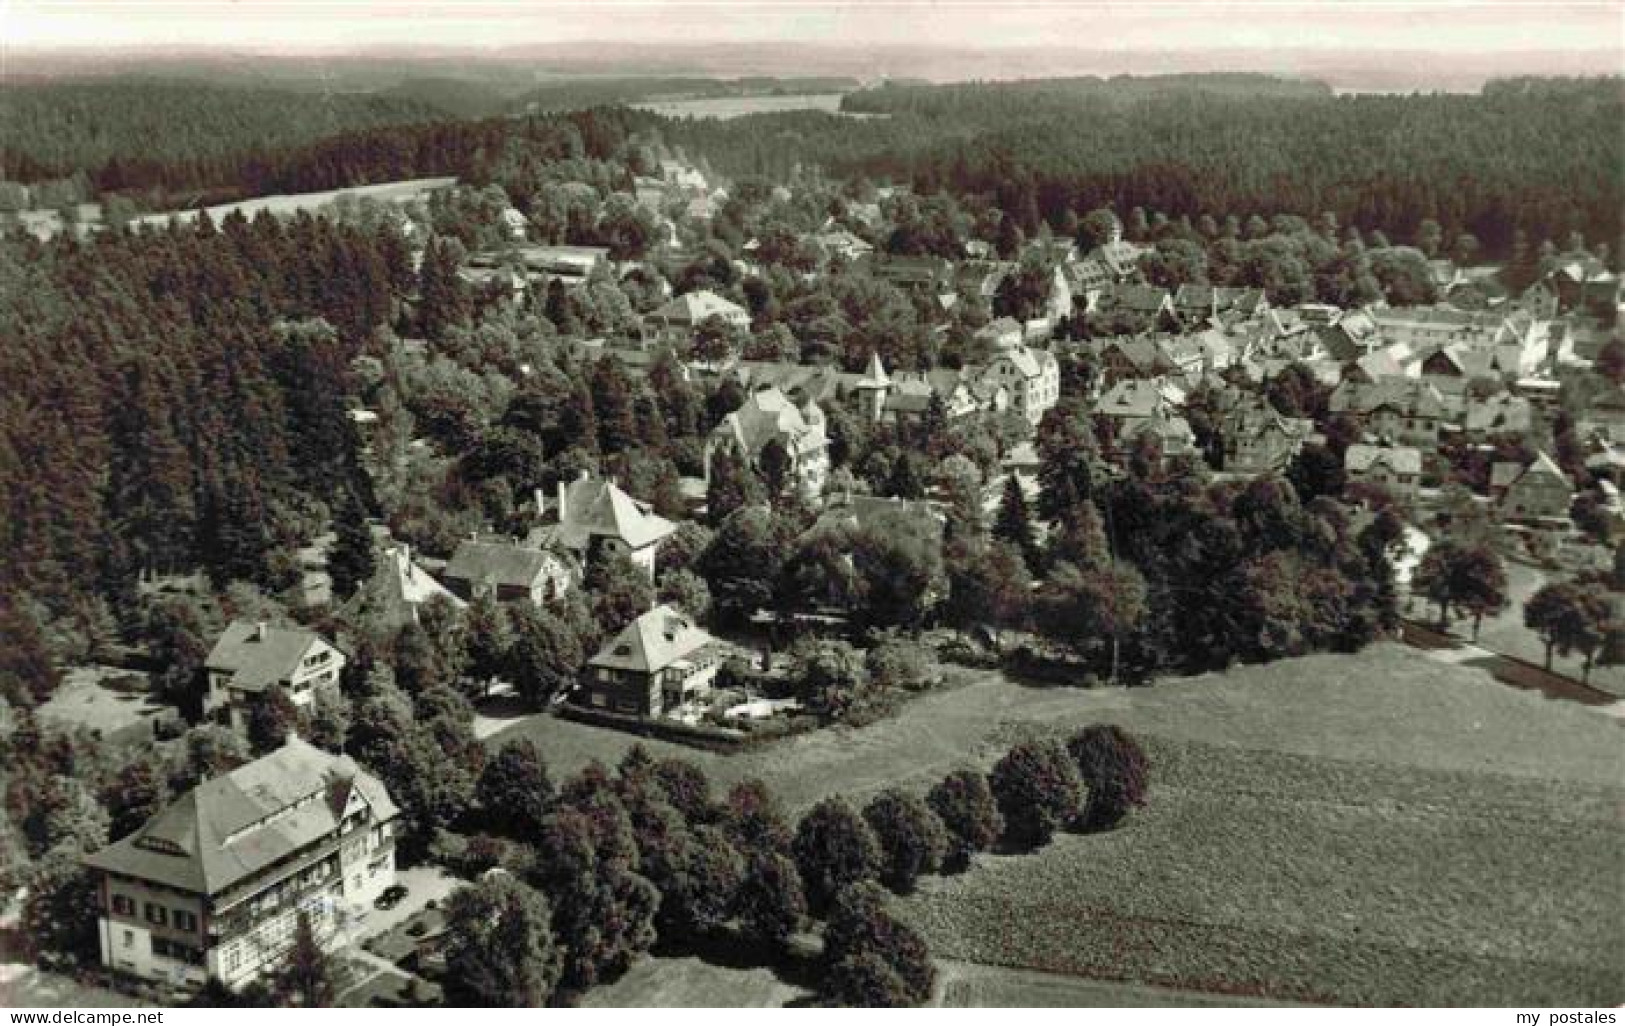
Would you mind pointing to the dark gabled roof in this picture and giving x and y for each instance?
(1543, 466)
(1141, 298)
(230, 827)
(1132, 398)
(1145, 355)
(260, 655)
(598, 507)
(1401, 459)
(920, 270)
(693, 308)
(657, 639)
(502, 563)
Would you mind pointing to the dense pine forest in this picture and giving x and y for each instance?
(138, 132)
(1183, 145)
(1484, 164)
(100, 127)
(173, 400)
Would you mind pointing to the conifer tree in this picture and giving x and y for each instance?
(350, 562)
(1014, 524)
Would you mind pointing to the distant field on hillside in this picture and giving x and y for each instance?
(287, 206)
(1377, 829)
(725, 107)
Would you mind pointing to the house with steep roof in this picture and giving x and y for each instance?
(840, 242)
(1392, 362)
(1188, 355)
(1150, 303)
(816, 382)
(683, 176)
(1396, 469)
(1504, 413)
(1169, 431)
(1349, 337)
(905, 396)
(1108, 264)
(1541, 493)
(1031, 376)
(1140, 407)
(873, 387)
(883, 514)
(572, 263)
(1580, 280)
(1001, 333)
(1451, 368)
(912, 392)
(769, 416)
(1131, 399)
(655, 665)
(1134, 356)
(1426, 328)
(1409, 411)
(595, 518)
(514, 224)
(1259, 440)
(923, 274)
(678, 318)
(1197, 305)
(407, 587)
(212, 887)
(981, 278)
(504, 570)
(252, 658)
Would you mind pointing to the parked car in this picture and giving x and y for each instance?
(391, 897)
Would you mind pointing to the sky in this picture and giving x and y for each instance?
(325, 26)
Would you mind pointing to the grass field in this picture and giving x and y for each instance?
(725, 107)
(287, 206)
(1505, 633)
(1375, 829)
(663, 981)
(84, 699)
(968, 985)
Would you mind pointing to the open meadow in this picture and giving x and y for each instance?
(1370, 829)
(725, 107)
(402, 191)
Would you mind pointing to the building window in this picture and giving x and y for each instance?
(129, 938)
(234, 959)
(157, 914)
(123, 905)
(185, 921)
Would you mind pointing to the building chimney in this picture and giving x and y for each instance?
(564, 507)
(260, 630)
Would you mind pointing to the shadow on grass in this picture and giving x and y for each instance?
(797, 967)
(505, 707)
(1527, 677)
